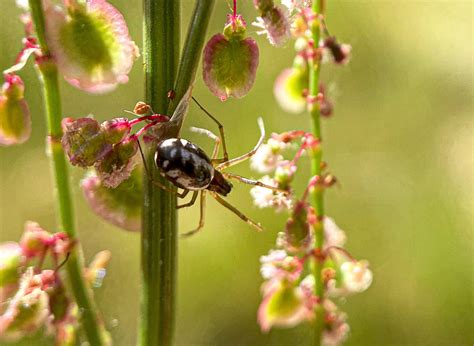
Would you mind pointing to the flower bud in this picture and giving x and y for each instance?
(275, 24)
(339, 52)
(297, 230)
(141, 108)
(15, 118)
(284, 174)
(34, 240)
(357, 276)
(230, 61)
(84, 142)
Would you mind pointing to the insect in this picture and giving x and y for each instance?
(189, 168)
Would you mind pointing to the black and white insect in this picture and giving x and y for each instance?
(189, 168)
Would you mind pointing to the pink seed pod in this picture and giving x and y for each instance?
(120, 206)
(230, 61)
(35, 240)
(91, 44)
(15, 118)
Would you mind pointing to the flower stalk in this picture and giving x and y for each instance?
(159, 232)
(75, 267)
(314, 63)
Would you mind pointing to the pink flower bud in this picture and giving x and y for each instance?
(230, 61)
(34, 240)
(339, 52)
(91, 44)
(15, 118)
(120, 206)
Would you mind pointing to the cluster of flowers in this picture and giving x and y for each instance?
(291, 292)
(288, 294)
(34, 297)
(89, 43)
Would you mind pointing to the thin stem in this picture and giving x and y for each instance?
(192, 49)
(316, 159)
(75, 266)
(159, 234)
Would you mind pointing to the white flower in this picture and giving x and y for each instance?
(295, 4)
(264, 197)
(267, 157)
(333, 235)
(268, 268)
(357, 276)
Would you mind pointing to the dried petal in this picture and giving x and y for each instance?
(230, 61)
(15, 118)
(91, 45)
(120, 206)
(84, 142)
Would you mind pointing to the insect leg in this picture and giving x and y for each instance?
(212, 136)
(244, 157)
(237, 212)
(201, 217)
(221, 129)
(252, 182)
(191, 202)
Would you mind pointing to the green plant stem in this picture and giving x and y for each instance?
(159, 234)
(159, 230)
(49, 77)
(318, 193)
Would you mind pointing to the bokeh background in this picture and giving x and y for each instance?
(400, 144)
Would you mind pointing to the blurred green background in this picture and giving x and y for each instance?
(400, 143)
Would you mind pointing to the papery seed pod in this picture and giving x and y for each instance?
(91, 44)
(117, 164)
(230, 61)
(115, 130)
(290, 89)
(284, 306)
(27, 311)
(84, 142)
(120, 206)
(15, 118)
(12, 261)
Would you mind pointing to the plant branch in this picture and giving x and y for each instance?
(159, 245)
(159, 230)
(75, 268)
(316, 160)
